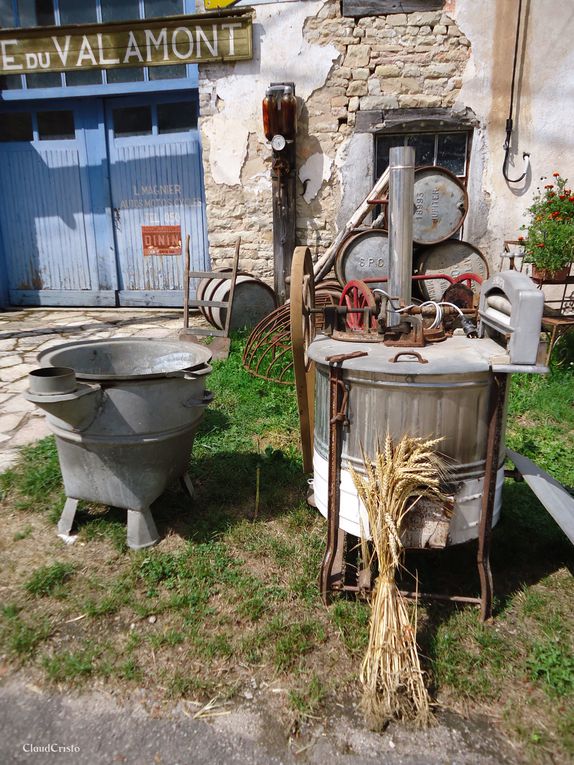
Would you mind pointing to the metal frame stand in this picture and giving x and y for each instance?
(495, 420)
(333, 567)
(141, 529)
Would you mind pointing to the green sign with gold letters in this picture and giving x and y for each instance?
(150, 42)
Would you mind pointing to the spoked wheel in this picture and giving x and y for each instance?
(302, 302)
(356, 295)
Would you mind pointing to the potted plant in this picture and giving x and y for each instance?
(549, 240)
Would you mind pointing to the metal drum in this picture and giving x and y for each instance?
(441, 204)
(252, 301)
(363, 255)
(454, 258)
(446, 397)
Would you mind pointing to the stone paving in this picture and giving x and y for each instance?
(23, 334)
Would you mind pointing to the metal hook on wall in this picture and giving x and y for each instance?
(509, 121)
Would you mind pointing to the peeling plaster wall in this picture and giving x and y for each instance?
(457, 58)
(543, 111)
(236, 154)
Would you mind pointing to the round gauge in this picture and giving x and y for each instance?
(453, 258)
(278, 142)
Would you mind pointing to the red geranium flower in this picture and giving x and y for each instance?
(556, 175)
(549, 186)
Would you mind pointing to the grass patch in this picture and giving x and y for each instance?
(305, 701)
(69, 666)
(19, 637)
(231, 593)
(50, 580)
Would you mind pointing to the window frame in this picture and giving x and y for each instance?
(436, 132)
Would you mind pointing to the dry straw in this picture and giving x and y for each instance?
(392, 678)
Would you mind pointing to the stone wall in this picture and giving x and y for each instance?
(340, 67)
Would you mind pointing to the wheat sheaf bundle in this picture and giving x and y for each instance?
(391, 675)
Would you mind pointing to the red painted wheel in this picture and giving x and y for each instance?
(355, 295)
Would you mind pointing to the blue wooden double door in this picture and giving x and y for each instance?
(95, 196)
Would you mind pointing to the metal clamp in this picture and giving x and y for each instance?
(419, 358)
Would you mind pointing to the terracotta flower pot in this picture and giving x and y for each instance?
(550, 277)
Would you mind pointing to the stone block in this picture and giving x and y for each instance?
(400, 85)
(421, 19)
(358, 56)
(412, 101)
(440, 69)
(374, 87)
(357, 88)
(387, 70)
(361, 74)
(379, 102)
(397, 19)
(353, 106)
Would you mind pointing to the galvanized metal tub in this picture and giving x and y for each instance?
(447, 398)
(128, 427)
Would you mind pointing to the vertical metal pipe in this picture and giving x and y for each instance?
(401, 206)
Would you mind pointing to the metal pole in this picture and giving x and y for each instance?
(401, 206)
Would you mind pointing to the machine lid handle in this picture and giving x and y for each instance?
(417, 355)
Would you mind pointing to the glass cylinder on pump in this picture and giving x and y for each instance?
(288, 114)
(269, 107)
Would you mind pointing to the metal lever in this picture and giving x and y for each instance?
(344, 356)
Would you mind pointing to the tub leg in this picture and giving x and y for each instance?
(187, 485)
(67, 518)
(497, 398)
(142, 531)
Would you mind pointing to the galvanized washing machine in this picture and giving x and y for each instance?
(439, 369)
(124, 413)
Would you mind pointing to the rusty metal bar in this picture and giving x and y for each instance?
(331, 576)
(495, 421)
(439, 596)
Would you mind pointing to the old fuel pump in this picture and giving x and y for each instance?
(280, 127)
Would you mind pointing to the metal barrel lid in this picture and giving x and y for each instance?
(454, 258)
(441, 204)
(363, 255)
(253, 300)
